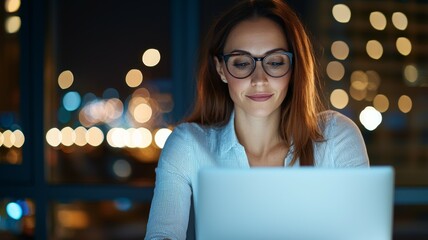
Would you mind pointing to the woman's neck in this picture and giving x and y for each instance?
(261, 139)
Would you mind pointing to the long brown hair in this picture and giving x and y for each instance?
(299, 111)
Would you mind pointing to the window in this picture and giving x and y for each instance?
(76, 74)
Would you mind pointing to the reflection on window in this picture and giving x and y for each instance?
(109, 99)
(12, 137)
(117, 219)
(378, 57)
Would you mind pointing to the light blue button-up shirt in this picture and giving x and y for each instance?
(191, 147)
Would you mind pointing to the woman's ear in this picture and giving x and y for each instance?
(220, 69)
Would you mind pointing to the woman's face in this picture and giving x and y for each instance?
(259, 94)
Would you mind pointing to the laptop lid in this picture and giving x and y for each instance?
(295, 203)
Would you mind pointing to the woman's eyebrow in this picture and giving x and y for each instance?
(267, 52)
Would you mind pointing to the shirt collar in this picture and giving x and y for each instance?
(227, 135)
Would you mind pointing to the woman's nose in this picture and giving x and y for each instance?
(259, 76)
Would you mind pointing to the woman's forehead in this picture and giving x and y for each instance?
(256, 36)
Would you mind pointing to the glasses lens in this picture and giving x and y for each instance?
(240, 65)
(276, 64)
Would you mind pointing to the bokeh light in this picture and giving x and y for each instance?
(65, 79)
(381, 103)
(54, 137)
(72, 219)
(359, 80)
(374, 49)
(71, 101)
(151, 57)
(335, 70)
(377, 20)
(134, 78)
(405, 104)
(370, 118)
(373, 80)
(411, 73)
(122, 168)
(8, 138)
(19, 138)
(94, 136)
(404, 46)
(399, 20)
(11, 6)
(12, 24)
(142, 113)
(340, 50)
(80, 136)
(161, 136)
(341, 13)
(68, 136)
(339, 98)
(130, 138)
(14, 210)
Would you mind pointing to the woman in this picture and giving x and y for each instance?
(257, 106)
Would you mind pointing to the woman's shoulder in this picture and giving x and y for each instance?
(332, 122)
(193, 130)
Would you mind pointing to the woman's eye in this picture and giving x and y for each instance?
(241, 64)
(276, 64)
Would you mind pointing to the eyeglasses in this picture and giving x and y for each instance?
(242, 65)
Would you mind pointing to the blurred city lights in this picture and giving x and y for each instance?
(399, 20)
(151, 57)
(11, 139)
(404, 46)
(341, 13)
(98, 111)
(74, 219)
(340, 50)
(373, 80)
(19, 138)
(374, 49)
(12, 24)
(14, 210)
(123, 204)
(12, 5)
(339, 98)
(81, 137)
(71, 101)
(359, 80)
(370, 118)
(94, 136)
(54, 137)
(68, 136)
(381, 103)
(411, 73)
(405, 104)
(134, 78)
(142, 113)
(378, 20)
(110, 93)
(122, 168)
(335, 70)
(131, 138)
(161, 136)
(65, 79)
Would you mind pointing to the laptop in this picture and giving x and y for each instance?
(295, 203)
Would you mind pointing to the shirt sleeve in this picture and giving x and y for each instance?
(347, 148)
(169, 211)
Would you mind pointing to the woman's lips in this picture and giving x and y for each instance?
(260, 97)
